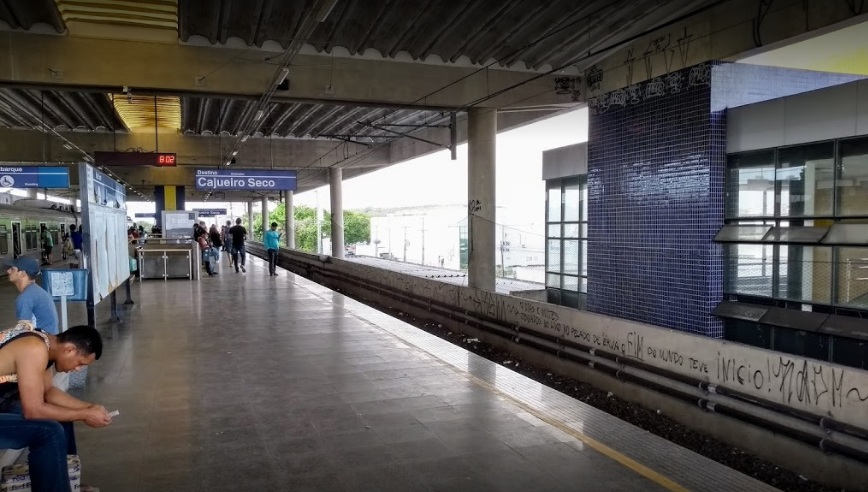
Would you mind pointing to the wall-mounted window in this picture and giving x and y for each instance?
(796, 227)
(567, 241)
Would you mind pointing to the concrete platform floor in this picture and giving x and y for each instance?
(245, 382)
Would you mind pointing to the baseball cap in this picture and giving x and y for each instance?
(24, 264)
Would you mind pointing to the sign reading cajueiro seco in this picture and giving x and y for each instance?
(247, 179)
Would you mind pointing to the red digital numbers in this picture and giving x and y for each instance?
(166, 159)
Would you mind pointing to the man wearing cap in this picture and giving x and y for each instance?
(33, 304)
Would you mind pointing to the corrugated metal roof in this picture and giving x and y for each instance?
(59, 110)
(531, 32)
(212, 116)
(24, 14)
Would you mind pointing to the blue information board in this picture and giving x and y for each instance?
(210, 212)
(71, 283)
(106, 191)
(248, 179)
(34, 177)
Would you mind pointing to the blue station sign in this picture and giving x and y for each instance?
(247, 179)
(34, 177)
(210, 212)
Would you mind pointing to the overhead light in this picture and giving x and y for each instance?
(234, 153)
(283, 73)
(244, 138)
(258, 115)
(67, 146)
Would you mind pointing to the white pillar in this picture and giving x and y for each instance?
(335, 191)
(250, 221)
(481, 156)
(318, 225)
(289, 226)
(266, 224)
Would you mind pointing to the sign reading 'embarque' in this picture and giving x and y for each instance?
(247, 179)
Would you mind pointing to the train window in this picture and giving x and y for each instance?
(4, 240)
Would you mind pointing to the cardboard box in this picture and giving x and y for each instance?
(16, 478)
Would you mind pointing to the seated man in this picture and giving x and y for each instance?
(33, 304)
(35, 414)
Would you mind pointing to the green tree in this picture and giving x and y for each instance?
(357, 226)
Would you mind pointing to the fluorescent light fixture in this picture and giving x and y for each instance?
(244, 138)
(283, 73)
(234, 153)
(67, 146)
(258, 115)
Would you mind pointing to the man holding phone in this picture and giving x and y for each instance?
(34, 413)
(272, 244)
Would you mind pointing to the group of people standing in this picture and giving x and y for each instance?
(229, 239)
(71, 246)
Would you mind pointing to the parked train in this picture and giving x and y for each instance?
(20, 227)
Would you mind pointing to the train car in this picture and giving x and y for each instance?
(20, 227)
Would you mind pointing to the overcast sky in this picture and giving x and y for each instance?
(437, 180)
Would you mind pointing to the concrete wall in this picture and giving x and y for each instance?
(563, 162)
(834, 112)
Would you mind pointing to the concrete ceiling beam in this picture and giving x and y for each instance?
(82, 63)
(725, 32)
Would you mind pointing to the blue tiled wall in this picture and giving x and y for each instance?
(656, 161)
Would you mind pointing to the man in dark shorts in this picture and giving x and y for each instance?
(239, 235)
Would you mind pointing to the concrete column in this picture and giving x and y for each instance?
(335, 191)
(168, 197)
(481, 157)
(266, 223)
(250, 220)
(32, 192)
(289, 226)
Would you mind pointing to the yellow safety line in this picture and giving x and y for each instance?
(630, 463)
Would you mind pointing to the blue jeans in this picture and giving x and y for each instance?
(272, 260)
(49, 445)
(236, 252)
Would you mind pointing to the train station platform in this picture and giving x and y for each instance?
(250, 382)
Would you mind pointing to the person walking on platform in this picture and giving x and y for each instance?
(227, 238)
(77, 242)
(33, 413)
(272, 246)
(216, 241)
(239, 235)
(33, 305)
(47, 245)
(207, 252)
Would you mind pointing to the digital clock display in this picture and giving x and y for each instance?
(161, 159)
